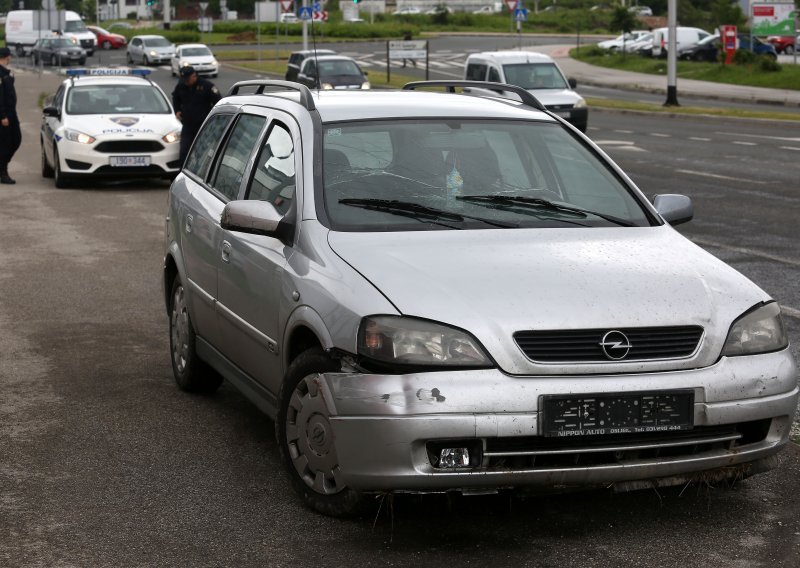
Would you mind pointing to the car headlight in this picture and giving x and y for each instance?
(153, 53)
(580, 104)
(172, 137)
(185, 64)
(326, 86)
(75, 136)
(214, 62)
(411, 341)
(759, 331)
(365, 85)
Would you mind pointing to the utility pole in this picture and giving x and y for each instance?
(305, 29)
(167, 14)
(672, 54)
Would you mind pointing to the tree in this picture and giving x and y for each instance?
(624, 21)
(727, 12)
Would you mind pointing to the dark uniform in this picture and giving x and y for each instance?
(193, 103)
(10, 136)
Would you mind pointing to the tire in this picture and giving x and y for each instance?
(788, 50)
(106, 45)
(61, 181)
(35, 59)
(190, 372)
(145, 61)
(306, 441)
(129, 58)
(82, 61)
(47, 169)
(90, 52)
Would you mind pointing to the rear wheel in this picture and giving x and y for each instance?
(306, 439)
(47, 169)
(190, 372)
(106, 44)
(788, 50)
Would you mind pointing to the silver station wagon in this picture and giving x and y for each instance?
(434, 291)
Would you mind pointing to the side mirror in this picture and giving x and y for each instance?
(573, 84)
(51, 111)
(366, 73)
(675, 209)
(252, 217)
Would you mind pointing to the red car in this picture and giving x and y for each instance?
(108, 40)
(784, 44)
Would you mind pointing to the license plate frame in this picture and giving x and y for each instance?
(129, 161)
(604, 414)
(563, 113)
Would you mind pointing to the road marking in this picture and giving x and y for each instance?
(699, 139)
(740, 143)
(737, 134)
(615, 142)
(748, 251)
(624, 131)
(659, 135)
(717, 176)
(790, 148)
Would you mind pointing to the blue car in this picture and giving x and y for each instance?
(708, 48)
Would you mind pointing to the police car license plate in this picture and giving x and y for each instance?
(564, 114)
(129, 161)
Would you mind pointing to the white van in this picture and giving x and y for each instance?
(25, 27)
(537, 73)
(685, 37)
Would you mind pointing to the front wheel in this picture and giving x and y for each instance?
(788, 50)
(129, 58)
(306, 439)
(191, 373)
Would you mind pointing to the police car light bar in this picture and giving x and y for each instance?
(107, 71)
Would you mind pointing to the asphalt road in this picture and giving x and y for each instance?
(104, 462)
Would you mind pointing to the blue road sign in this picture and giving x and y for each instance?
(521, 15)
(316, 7)
(305, 13)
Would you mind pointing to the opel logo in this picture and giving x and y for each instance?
(615, 345)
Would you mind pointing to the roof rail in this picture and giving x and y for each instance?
(526, 97)
(305, 95)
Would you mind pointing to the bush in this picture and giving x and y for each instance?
(132, 16)
(768, 64)
(744, 57)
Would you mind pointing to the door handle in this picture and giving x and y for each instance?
(189, 220)
(226, 251)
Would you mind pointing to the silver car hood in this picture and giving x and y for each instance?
(493, 283)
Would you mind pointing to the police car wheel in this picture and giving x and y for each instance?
(47, 169)
(60, 180)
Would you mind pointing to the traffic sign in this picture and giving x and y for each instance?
(521, 15)
(203, 6)
(315, 7)
(305, 13)
(286, 5)
(321, 16)
(512, 5)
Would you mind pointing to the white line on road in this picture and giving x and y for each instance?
(624, 131)
(717, 176)
(790, 148)
(740, 143)
(758, 136)
(699, 139)
(614, 142)
(659, 135)
(745, 250)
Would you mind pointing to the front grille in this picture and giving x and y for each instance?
(86, 43)
(583, 346)
(132, 146)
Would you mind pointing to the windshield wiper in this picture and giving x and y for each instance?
(416, 210)
(539, 203)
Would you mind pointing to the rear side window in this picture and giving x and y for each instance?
(494, 75)
(476, 72)
(233, 162)
(205, 144)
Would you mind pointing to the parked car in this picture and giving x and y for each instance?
(784, 44)
(685, 38)
(432, 291)
(296, 59)
(642, 46)
(536, 72)
(484, 10)
(641, 10)
(407, 11)
(23, 29)
(289, 18)
(58, 51)
(332, 72)
(708, 48)
(150, 50)
(120, 26)
(623, 39)
(107, 39)
(197, 55)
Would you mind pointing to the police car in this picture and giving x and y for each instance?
(110, 123)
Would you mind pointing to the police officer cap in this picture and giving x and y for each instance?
(4, 52)
(187, 71)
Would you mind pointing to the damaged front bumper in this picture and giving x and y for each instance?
(389, 428)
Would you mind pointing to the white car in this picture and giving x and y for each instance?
(198, 56)
(289, 18)
(109, 123)
(484, 10)
(407, 11)
(150, 50)
(617, 42)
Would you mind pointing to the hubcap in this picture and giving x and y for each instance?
(179, 330)
(309, 437)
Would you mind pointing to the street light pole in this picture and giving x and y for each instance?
(672, 54)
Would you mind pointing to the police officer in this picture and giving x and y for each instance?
(10, 135)
(193, 98)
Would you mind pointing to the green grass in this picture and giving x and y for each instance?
(689, 110)
(750, 74)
